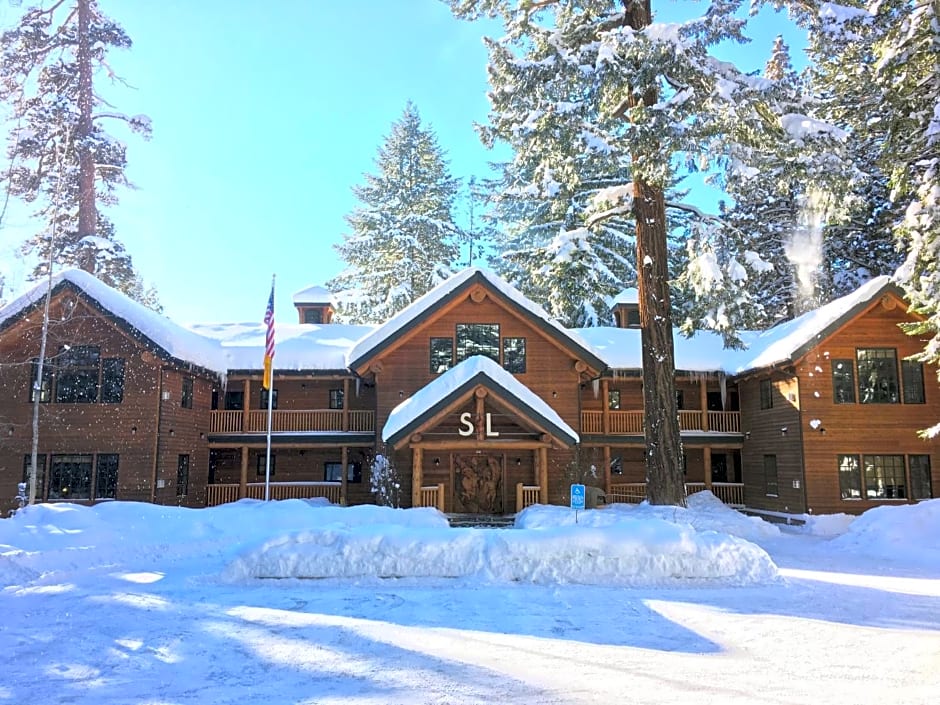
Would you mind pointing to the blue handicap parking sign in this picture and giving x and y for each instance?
(577, 496)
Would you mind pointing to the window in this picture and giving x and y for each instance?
(477, 339)
(850, 479)
(70, 477)
(313, 315)
(262, 462)
(40, 473)
(112, 380)
(613, 399)
(442, 355)
(106, 476)
(77, 381)
(333, 472)
(877, 376)
(920, 476)
(234, 401)
(633, 318)
(912, 378)
(680, 400)
(186, 396)
(337, 398)
(182, 476)
(843, 382)
(884, 477)
(770, 475)
(45, 388)
(264, 399)
(766, 394)
(514, 355)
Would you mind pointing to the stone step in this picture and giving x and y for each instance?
(487, 521)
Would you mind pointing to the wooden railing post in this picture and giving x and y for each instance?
(416, 476)
(246, 403)
(519, 506)
(440, 496)
(707, 459)
(343, 486)
(703, 401)
(605, 400)
(243, 479)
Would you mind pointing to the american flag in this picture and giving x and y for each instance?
(269, 340)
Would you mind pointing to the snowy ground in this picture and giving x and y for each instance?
(295, 602)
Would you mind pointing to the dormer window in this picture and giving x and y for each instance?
(314, 305)
(626, 309)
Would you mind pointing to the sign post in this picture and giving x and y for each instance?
(577, 500)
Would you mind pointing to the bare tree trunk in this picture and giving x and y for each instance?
(87, 210)
(665, 483)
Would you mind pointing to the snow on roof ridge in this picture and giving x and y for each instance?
(314, 294)
(785, 339)
(177, 341)
(418, 307)
(437, 389)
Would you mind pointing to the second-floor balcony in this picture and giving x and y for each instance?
(631, 422)
(292, 421)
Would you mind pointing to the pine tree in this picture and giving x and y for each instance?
(648, 98)
(63, 162)
(404, 240)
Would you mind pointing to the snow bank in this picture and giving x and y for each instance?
(906, 532)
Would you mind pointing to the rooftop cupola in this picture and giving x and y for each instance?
(626, 309)
(314, 305)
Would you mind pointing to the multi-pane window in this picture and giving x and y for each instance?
(514, 355)
(613, 399)
(106, 476)
(884, 477)
(337, 398)
(77, 379)
(477, 339)
(262, 464)
(877, 376)
(235, 401)
(770, 475)
(112, 380)
(850, 478)
(40, 472)
(264, 399)
(442, 355)
(912, 379)
(843, 382)
(766, 394)
(186, 396)
(633, 318)
(70, 477)
(45, 385)
(333, 472)
(182, 476)
(920, 476)
(313, 315)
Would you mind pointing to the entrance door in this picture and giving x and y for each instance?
(478, 483)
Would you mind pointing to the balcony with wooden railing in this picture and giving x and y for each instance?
(217, 494)
(630, 423)
(294, 421)
(730, 493)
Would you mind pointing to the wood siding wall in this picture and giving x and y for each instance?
(774, 431)
(875, 429)
(130, 428)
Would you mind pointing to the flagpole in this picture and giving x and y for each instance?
(267, 452)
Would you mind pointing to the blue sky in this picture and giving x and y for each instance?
(265, 115)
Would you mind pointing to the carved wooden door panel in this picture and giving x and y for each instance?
(478, 484)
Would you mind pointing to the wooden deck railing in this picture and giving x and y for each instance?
(291, 421)
(631, 422)
(432, 496)
(527, 495)
(730, 493)
(217, 494)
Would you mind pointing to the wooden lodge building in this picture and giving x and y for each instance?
(480, 400)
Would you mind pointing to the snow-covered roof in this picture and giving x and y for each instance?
(314, 295)
(405, 319)
(627, 296)
(705, 351)
(175, 340)
(441, 392)
(298, 346)
(784, 342)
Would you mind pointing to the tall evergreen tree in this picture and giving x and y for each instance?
(63, 162)
(649, 99)
(403, 238)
